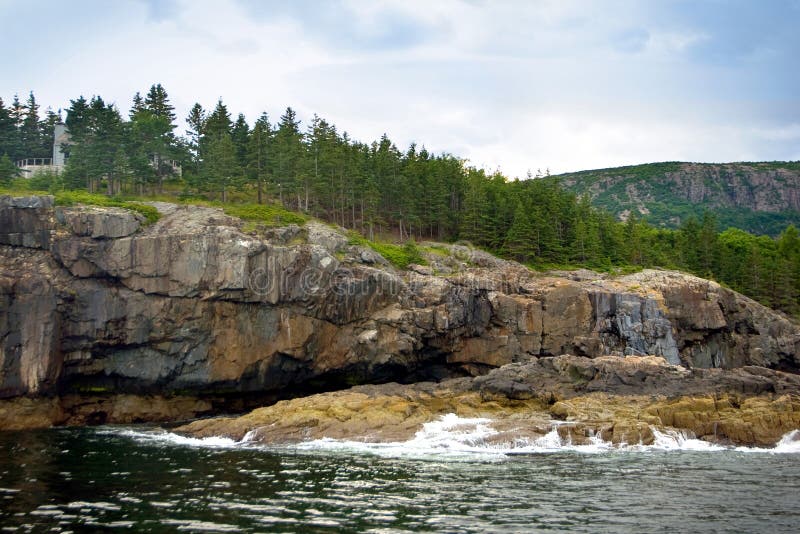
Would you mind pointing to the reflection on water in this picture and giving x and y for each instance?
(92, 479)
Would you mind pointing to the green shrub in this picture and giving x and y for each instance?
(401, 256)
(267, 214)
(45, 181)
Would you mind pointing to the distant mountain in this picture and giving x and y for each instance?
(759, 197)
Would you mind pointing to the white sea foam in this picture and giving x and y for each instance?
(170, 438)
(450, 435)
(676, 440)
(459, 437)
(788, 444)
(553, 442)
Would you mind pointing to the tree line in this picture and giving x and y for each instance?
(379, 190)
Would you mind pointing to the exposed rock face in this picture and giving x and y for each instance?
(26, 221)
(621, 400)
(91, 300)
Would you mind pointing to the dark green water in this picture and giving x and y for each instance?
(104, 479)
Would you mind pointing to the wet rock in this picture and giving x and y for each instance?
(523, 403)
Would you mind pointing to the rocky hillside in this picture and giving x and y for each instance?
(104, 318)
(758, 197)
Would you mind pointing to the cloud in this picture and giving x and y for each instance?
(565, 84)
(159, 10)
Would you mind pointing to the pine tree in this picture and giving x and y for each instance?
(288, 158)
(8, 131)
(77, 119)
(633, 240)
(151, 138)
(196, 124)
(258, 154)
(15, 145)
(47, 127)
(137, 106)
(218, 123)
(157, 102)
(222, 168)
(517, 243)
(586, 233)
(8, 171)
(239, 135)
(30, 130)
(99, 134)
(477, 222)
(707, 245)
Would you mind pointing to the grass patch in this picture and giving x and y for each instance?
(437, 250)
(267, 214)
(401, 256)
(71, 198)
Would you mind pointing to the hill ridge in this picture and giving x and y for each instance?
(760, 197)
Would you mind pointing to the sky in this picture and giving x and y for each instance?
(562, 85)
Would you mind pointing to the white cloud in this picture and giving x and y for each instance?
(519, 85)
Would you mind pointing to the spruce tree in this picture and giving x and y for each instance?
(218, 122)
(222, 167)
(137, 106)
(30, 130)
(8, 171)
(157, 102)
(7, 131)
(47, 127)
(16, 146)
(288, 159)
(196, 123)
(517, 243)
(258, 154)
(239, 135)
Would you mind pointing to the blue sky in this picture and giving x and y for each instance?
(560, 84)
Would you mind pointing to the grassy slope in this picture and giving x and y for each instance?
(610, 188)
(264, 215)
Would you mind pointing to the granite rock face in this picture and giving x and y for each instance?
(26, 221)
(92, 300)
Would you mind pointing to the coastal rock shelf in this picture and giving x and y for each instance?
(616, 400)
(104, 318)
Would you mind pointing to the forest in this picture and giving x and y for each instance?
(376, 189)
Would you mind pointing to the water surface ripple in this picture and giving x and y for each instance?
(85, 480)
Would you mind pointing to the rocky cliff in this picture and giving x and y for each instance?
(104, 318)
(758, 197)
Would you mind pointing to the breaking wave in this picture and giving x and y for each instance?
(459, 437)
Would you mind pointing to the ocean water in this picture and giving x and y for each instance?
(446, 479)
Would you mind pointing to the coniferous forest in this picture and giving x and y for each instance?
(376, 188)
